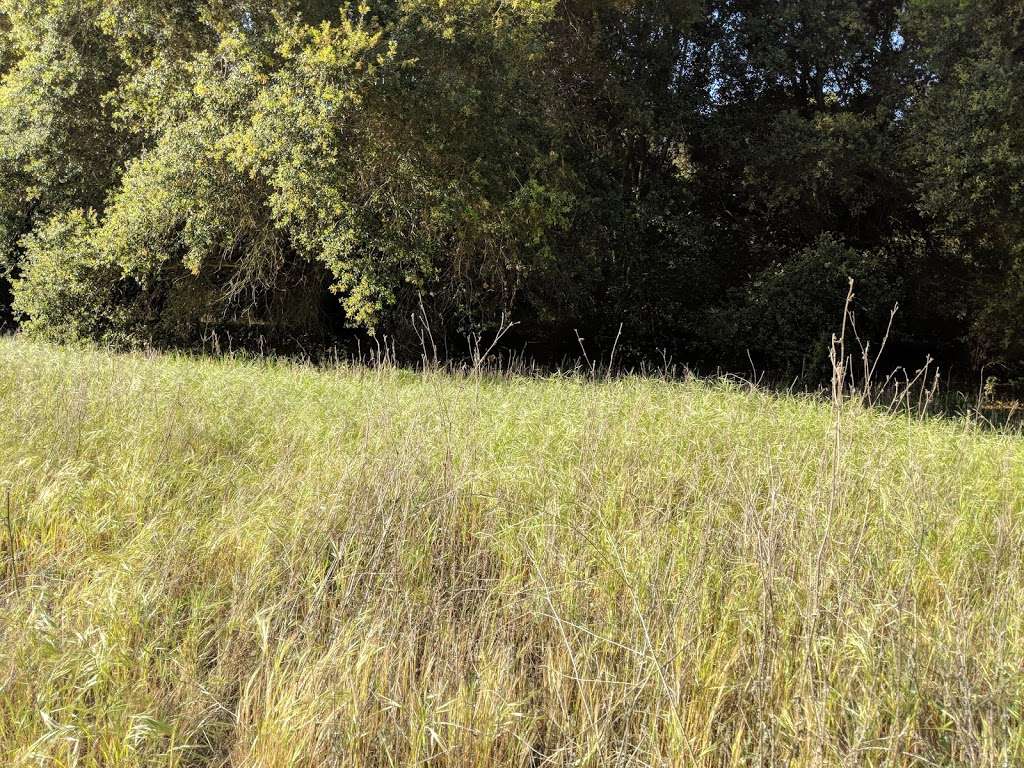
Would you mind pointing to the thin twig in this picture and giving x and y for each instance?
(611, 360)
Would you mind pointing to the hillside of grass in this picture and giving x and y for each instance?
(228, 563)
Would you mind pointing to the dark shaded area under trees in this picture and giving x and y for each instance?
(705, 174)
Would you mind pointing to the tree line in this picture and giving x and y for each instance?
(704, 175)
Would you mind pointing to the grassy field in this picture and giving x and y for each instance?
(260, 564)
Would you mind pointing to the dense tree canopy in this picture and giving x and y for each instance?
(706, 173)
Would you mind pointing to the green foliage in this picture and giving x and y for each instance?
(969, 146)
(681, 168)
(68, 291)
(59, 146)
(791, 309)
(391, 153)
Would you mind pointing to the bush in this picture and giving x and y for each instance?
(68, 290)
(790, 311)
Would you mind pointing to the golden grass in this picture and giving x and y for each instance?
(259, 564)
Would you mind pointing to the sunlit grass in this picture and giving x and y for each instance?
(261, 564)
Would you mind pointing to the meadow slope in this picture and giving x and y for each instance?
(261, 564)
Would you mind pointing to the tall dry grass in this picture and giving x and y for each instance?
(257, 564)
